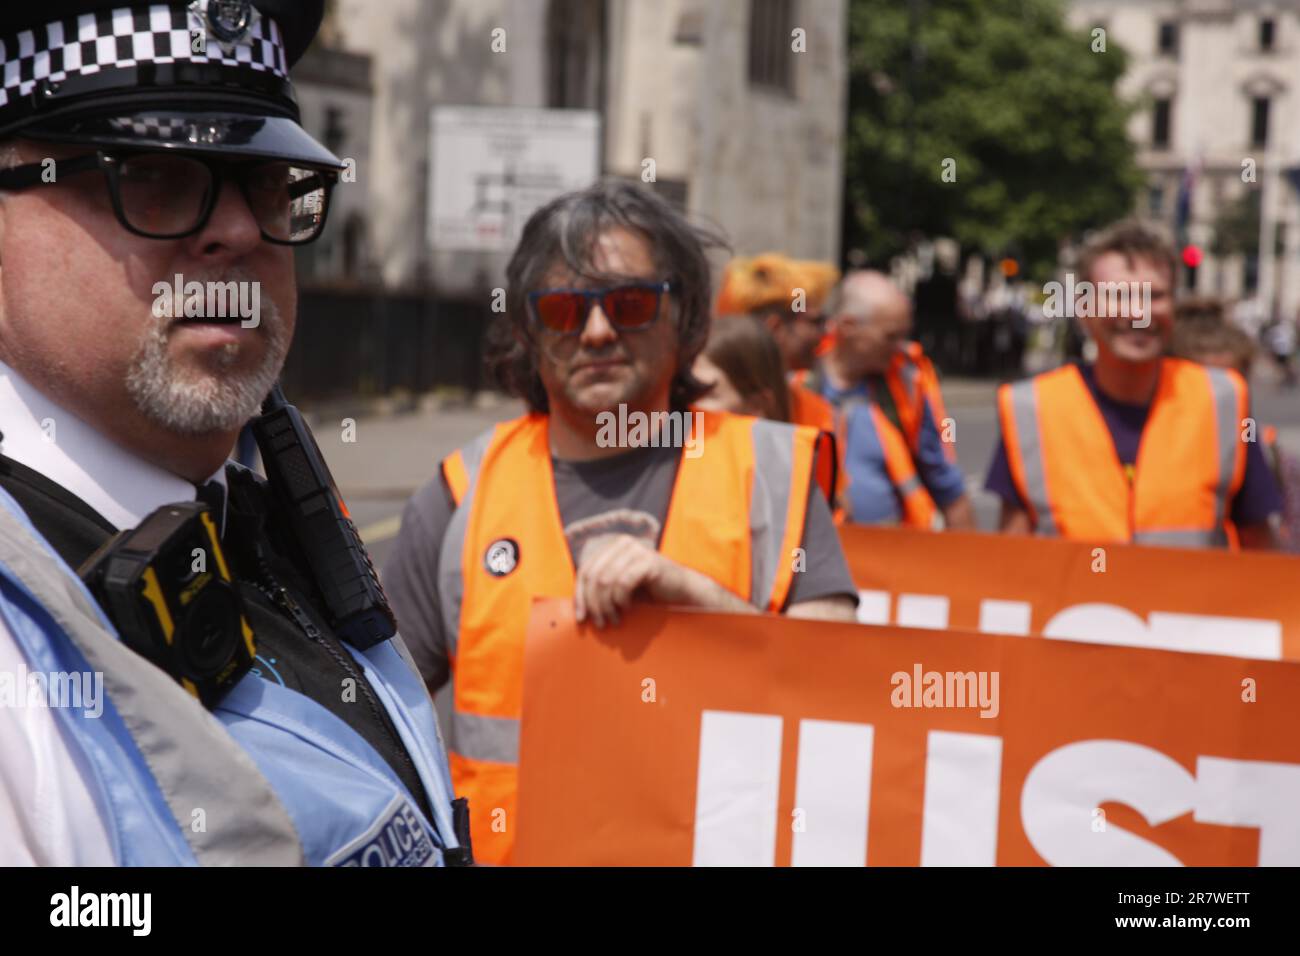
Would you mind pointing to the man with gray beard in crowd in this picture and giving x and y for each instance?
(122, 392)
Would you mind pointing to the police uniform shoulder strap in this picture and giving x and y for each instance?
(73, 528)
(196, 764)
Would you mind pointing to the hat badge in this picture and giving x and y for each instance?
(228, 22)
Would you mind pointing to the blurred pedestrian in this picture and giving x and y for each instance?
(896, 439)
(741, 365)
(789, 297)
(608, 308)
(1068, 461)
(1202, 333)
(1280, 337)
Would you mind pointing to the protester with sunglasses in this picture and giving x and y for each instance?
(607, 308)
(143, 149)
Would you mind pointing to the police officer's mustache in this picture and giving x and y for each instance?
(234, 297)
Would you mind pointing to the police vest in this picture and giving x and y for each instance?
(736, 515)
(268, 777)
(1190, 463)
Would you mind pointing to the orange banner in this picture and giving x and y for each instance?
(1243, 604)
(686, 738)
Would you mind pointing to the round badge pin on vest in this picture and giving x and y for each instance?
(502, 557)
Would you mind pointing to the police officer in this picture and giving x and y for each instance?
(144, 148)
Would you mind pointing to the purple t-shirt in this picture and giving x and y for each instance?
(1257, 499)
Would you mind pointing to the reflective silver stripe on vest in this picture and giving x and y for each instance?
(1225, 414)
(451, 588)
(196, 763)
(769, 505)
(477, 737)
(1024, 409)
(910, 486)
(908, 372)
(451, 585)
(1217, 538)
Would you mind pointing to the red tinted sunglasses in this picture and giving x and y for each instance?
(565, 311)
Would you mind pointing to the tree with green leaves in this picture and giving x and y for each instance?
(989, 121)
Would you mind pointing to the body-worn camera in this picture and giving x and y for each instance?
(167, 589)
(309, 503)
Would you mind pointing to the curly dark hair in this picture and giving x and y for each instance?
(565, 231)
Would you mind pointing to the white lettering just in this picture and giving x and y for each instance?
(738, 782)
(1094, 623)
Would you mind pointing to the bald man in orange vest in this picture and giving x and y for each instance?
(1137, 447)
(612, 489)
(896, 439)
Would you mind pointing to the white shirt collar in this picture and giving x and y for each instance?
(42, 435)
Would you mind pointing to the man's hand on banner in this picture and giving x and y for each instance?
(614, 569)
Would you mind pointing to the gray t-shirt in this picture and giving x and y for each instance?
(623, 494)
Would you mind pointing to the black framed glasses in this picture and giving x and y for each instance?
(166, 195)
(632, 305)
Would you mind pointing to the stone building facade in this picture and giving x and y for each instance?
(739, 103)
(1217, 83)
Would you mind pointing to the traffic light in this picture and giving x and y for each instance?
(1192, 256)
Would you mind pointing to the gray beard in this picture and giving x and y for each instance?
(211, 399)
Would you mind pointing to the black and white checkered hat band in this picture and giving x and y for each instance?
(127, 37)
(152, 127)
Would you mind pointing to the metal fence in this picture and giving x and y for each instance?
(369, 343)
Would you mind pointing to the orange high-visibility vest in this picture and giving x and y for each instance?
(905, 379)
(736, 514)
(919, 509)
(1190, 463)
(914, 384)
(809, 408)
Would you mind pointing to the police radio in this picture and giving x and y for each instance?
(167, 589)
(318, 520)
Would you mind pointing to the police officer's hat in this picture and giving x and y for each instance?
(208, 76)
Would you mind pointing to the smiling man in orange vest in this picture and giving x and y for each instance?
(1137, 447)
(611, 488)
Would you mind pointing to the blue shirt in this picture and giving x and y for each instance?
(871, 492)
